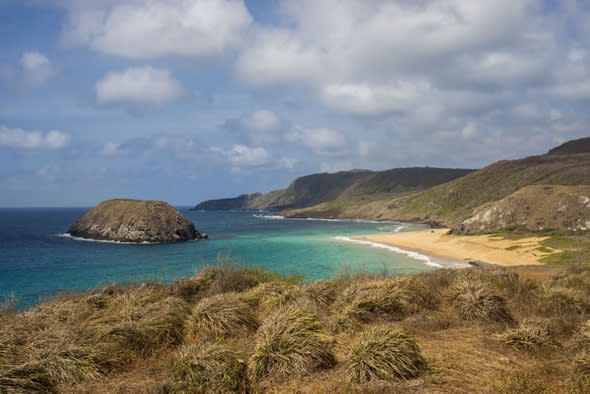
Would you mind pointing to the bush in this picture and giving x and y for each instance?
(479, 300)
(222, 315)
(207, 367)
(382, 353)
(290, 342)
(529, 335)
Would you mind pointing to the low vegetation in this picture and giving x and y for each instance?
(243, 330)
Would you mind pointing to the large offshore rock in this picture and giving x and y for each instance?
(125, 220)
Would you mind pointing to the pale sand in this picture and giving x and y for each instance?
(486, 248)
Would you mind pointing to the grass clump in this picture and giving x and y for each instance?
(207, 367)
(291, 342)
(581, 337)
(222, 315)
(478, 300)
(383, 353)
(529, 335)
(365, 300)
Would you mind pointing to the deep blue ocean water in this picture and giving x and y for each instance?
(37, 261)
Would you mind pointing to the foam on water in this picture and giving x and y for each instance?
(70, 236)
(417, 256)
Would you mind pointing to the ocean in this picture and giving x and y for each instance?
(38, 261)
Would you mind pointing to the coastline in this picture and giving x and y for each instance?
(484, 248)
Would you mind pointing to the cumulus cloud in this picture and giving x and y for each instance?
(322, 141)
(261, 127)
(242, 156)
(138, 85)
(154, 28)
(33, 140)
(37, 68)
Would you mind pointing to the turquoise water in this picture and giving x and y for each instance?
(37, 261)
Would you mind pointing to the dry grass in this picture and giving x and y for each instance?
(222, 315)
(529, 335)
(478, 300)
(207, 367)
(290, 343)
(367, 299)
(382, 353)
(231, 330)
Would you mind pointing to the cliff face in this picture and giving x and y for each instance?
(243, 201)
(534, 208)
(134, 221)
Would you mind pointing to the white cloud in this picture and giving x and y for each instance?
(33, 140)
(470, 130)
(261, 127)
(363, 99)
(111, 149)
(36, 68)
(322, 141)
(138, 85)
(153, 28)
(241, 155)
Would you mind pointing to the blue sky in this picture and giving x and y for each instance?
(185, 100)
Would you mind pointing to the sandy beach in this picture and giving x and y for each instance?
(485, 248)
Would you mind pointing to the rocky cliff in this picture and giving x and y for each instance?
(137, 221)
(533, 208)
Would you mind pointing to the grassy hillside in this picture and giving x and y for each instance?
(227, 330)
(341, 188)
(453, 202)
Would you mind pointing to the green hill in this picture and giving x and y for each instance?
(341, 189)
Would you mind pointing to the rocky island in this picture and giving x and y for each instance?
(125, 220)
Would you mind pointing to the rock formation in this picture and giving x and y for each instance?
(534, 208)
(125, 220)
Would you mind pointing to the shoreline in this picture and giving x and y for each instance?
(436, 243)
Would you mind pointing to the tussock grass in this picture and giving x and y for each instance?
(581, 337)
(383, 353)
(529, 335)
(290, 343)
(222, 315)
(119, 335)
(478, 300)
(369, 299)
(319, 294)
(582, 363)
(271, 295)
(207, 367)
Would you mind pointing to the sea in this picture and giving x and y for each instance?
(39, 261)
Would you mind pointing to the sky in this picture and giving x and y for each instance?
(186, 100)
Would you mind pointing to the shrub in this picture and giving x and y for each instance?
(291, 342)
(382, 353)
(206, 367)
(529, 335)
(222, 315)
(479, 300)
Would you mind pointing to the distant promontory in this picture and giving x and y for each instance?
(125, 220)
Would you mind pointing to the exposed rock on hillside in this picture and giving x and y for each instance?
(534, 208)
(138, 221)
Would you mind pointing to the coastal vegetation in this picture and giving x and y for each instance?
(226, 329)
